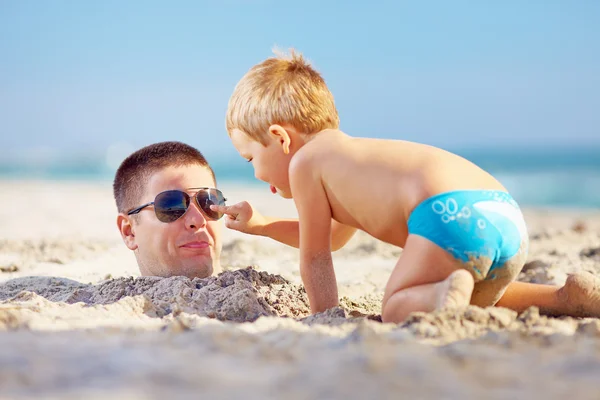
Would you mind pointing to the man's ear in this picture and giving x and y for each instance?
(282, 136)
(125, 225)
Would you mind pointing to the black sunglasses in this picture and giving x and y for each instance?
(171, 205)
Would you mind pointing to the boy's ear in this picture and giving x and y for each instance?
(282, 136)
(125, 225)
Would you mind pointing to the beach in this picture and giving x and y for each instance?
(76, 319)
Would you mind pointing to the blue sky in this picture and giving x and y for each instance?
(79, 76)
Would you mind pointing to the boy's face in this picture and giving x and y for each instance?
(189, 246)
(270, 163)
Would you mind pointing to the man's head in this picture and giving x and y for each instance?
(190, 245)
(279, 99)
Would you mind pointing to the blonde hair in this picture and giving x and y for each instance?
(284, 89)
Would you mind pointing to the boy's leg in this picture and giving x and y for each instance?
(579, 297)
(426, 277)
(489, 291)
(519, 296)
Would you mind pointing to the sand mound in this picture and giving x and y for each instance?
(239, 296)
(243, 295)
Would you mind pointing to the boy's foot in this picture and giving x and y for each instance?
(580, 296)
(456, 290)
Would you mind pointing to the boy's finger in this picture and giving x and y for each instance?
(227, 210)
(221, 209)
(230, 220)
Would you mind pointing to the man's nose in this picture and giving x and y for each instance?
(194, 218)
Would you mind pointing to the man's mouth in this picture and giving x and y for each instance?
(196, 245)
(273, 189)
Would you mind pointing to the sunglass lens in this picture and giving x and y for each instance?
(169, 206)
(209, 197)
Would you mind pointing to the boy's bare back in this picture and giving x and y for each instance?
(374, 184)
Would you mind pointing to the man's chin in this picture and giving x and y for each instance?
(198, 265)
(195, 271)
(189, 271)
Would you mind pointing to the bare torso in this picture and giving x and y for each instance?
(374, 184)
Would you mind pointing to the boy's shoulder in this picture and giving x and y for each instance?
(321, 147)
(326, 139)
(321, 144)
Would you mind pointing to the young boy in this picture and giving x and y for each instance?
(463, 236)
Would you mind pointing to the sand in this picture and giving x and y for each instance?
(76, 319)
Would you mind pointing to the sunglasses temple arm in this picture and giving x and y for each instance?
(140, 208)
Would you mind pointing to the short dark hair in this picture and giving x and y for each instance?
(135, 171)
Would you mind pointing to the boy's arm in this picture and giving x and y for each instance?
(242, 217)
(314, 211)
(287, 231)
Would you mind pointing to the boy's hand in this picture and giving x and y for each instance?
(242, 217)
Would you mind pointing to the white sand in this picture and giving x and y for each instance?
(87, 335)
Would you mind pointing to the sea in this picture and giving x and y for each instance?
(563, 178)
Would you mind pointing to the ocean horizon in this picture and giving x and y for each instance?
(541, 178)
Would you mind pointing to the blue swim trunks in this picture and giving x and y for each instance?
(482, 228)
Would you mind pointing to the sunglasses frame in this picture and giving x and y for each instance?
(198, 190)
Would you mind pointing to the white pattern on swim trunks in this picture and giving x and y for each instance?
(451, 203)
(440, 209)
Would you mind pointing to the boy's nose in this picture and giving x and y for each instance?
(194, 218)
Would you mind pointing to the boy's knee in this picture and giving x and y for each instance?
(395, 301)
(488, 293)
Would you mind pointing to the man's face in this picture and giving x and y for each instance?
(189, 246)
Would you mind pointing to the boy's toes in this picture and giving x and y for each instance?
(456, 290)
(581, 293)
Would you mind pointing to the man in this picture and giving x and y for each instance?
(163, 194)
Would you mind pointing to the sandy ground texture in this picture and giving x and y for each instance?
(77, 320)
